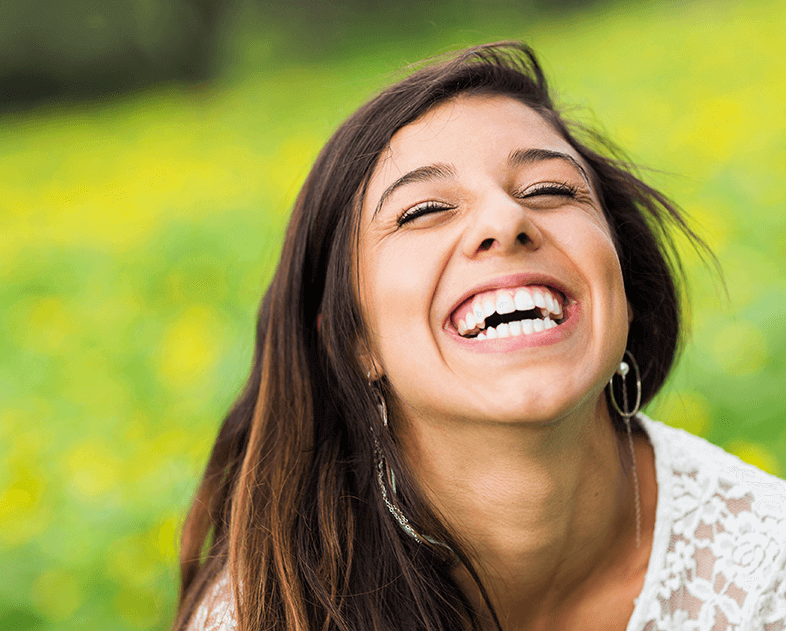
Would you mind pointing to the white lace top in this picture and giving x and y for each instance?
(718, 558)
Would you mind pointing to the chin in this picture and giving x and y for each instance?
(515, 405)
(543, 406)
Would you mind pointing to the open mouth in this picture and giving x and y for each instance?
(510, 312)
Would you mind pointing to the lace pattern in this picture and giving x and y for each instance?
(718, 559)
(216, 612)
(719, 555)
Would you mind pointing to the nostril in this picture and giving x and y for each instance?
(486, 245)
(523, 238)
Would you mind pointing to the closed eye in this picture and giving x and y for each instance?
(419, 210)
(544, 189)
(550, 188)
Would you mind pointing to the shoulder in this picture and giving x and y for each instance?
(720, 537)
(216, 612)
(711, 475)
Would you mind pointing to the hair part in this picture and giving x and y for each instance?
(289, 503)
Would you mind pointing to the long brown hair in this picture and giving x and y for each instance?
(289, 504)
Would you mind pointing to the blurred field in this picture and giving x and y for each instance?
(139, 233)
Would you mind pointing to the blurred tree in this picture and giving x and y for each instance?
(52, 49)
(55, 49)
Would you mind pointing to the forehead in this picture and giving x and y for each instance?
(464, 131)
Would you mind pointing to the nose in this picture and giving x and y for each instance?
(500, 225)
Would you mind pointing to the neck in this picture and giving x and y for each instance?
(544, 510)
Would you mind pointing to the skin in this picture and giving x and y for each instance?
(510, 439)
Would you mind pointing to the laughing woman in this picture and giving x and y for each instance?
(441, 427)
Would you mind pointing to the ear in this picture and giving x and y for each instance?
(630, 312)
(371, 366)
(368, 359)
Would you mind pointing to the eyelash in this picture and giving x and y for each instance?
(550, 188)
(418, 211)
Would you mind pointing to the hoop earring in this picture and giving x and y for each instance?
(385, 472)
(623, 370)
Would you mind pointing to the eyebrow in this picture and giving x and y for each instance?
(422, 174)
(522, 157)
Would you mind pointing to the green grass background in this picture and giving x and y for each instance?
(139, 232)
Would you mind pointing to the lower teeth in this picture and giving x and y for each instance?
(519, 327)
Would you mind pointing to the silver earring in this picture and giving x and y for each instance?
(623, 371)
(385, 472)
(383, 409)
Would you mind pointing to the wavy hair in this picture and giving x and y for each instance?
(289, 504)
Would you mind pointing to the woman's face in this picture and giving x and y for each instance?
(488, 276)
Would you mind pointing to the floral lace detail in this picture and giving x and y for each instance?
(718, 559)
(719, 552)
(216, 612)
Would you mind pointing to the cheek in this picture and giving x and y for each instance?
(397, 286)
(594, 255)
(592, 248)
(610, 293)
(610, 285)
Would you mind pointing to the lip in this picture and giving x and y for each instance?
(505, 282)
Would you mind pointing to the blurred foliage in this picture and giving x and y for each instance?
(74, 48)
(139, 233)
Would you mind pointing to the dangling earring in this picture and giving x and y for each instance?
(623, 370)
(385, 472)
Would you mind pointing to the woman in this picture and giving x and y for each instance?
(440, 428)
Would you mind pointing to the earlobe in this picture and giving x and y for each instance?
(630, 312)
(369, 364)
(371, 368)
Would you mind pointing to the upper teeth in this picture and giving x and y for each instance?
(505, 301)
